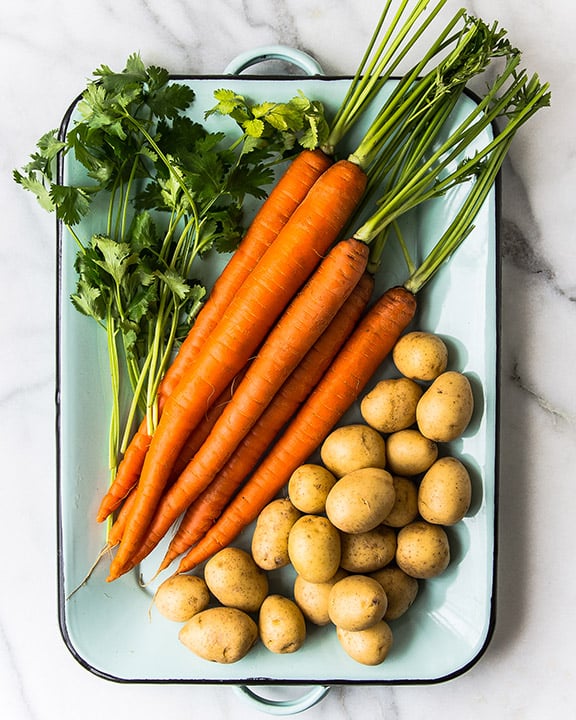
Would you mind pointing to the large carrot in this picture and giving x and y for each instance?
(285, 266)
(347, 376)
(288, 346)
(202, 514)
(288, 192)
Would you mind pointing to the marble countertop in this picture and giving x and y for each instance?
(48, 48)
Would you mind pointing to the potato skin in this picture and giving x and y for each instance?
(281, 625)
(422, 550)
(309, 486)
(356, 602)
(410, 452)
(220, 634)
(405, 507)
(352, 447)
(314, 548)
(445, 409)
(445, 492)
(391, 404)
(180, 597)
(368, 551)
(269, 545)
(420, 355)
(368, 647)
(401, 590)
(235, 580)
(312, 598)
(361, 500)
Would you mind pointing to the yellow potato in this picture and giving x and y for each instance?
(312, 598)
(356, 602)
(422, 550)
(401, 590)
(269, 545)
(314, 548)
(409, 452)
(445, 409)
(309, 486)
(420, 355)
(391, 404)
(281, 625)
(352, 447)
(405, 507)
(235, 580)
(445, 492)
(368, 551)
(368, 647)
(220, 634)
(180, 597)
(361, 500)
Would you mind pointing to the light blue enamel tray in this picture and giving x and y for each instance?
(107, 626)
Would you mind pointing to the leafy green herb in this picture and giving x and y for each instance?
(169, 190)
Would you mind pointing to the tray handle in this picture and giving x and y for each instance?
(290, 706)
(299, 58)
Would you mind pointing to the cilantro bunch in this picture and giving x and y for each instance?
(163, 190)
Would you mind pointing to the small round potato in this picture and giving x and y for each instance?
(445, 492)
(445, 409)
(312, 598)
(368, 551)
(308, 488)
(357, 602)
(270, 538)
(180, 597)
(401, 590)
(361, 500)
(352, 447)
(405, 507)
(422, 550)
(220, 634)
(314, 548)
(235, 580)
(409, 452)
(281, 625)
(420, 355)
(368, 647)
(391, 404)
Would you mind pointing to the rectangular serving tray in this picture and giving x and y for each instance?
(109, 627)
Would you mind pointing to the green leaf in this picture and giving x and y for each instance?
(71, 203)
(88, 300)
(116, 256)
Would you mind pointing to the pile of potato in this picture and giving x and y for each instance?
(360, 528)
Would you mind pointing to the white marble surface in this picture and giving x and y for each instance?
(47, 50)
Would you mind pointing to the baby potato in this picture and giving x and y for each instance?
(356, 602)
(308, 488)
(409, 452)
(312, 598)
(422, 550)
(368, 647)
(391, 404)
(270, 538)
(420, 355)
(368, 551)
(405, 508)
(352, 447)
(180, 597)
(220, 634)
(445, 492)
(235, 580)
(281, 625)
(360, 500)
(314, 548)
(401, 590)
(445, 409)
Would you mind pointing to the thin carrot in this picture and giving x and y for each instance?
(285, 266)
(347, 376)
(288, 192)
(202, 514)
(300, 326)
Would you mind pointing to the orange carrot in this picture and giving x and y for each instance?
(347, 376)
(288, 192)
(300, 326)
(283, 269)
(207, 508)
